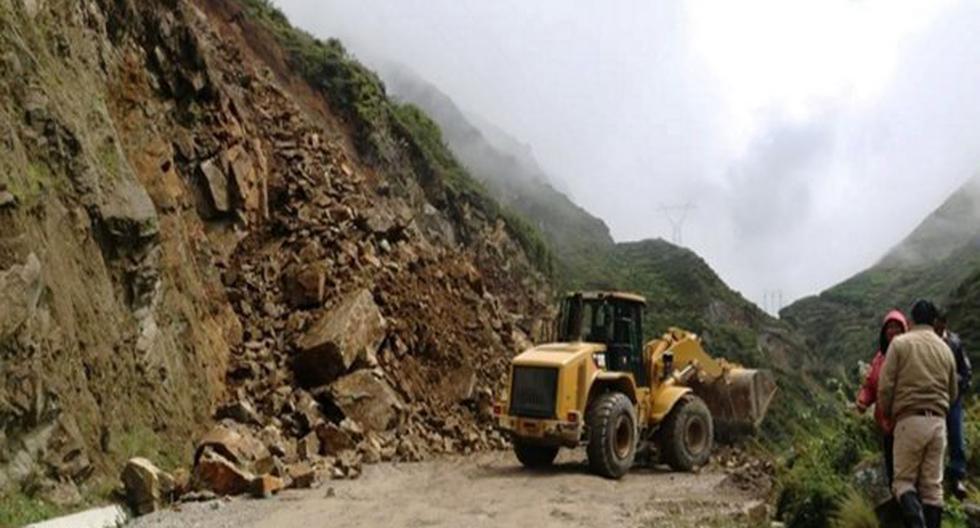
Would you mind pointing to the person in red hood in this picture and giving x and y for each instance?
(893, 325)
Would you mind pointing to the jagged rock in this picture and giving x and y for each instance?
(242, 170)
(218, 474)
(305, 285)
(301, 475)
(216, 185)
(241, 411)
(306, 409)
(370, 449)
(367, 399)
(128, 214)
(266, 485)
(271, 436)
(350, 463)
(308, 447)
(148, 488)
(20, 291)
(353, 329)
(333, 439)
(240, 449)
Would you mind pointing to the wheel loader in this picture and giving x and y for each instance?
(601, 387)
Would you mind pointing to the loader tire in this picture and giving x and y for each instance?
(534, 456)
(611, 422)
(687, 434)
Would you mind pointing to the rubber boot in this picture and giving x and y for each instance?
(912, 510)
(933, 515)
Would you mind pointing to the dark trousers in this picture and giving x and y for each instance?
(957, 444)
(888, 448)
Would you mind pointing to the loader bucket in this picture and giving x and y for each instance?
(738, 400)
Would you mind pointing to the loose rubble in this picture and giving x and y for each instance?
(378, 314)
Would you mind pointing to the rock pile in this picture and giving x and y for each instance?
(376, 324)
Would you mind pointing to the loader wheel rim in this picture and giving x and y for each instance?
(623, 437)
(695, 436)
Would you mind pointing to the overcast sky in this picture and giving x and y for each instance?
(809, 136)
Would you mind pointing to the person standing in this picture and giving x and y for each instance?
(916, 386)
(954, 419)
(893, 325)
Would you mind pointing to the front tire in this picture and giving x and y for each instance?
(687, 435)
(612, 434)
(534, 456)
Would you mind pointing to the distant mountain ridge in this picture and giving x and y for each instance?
(515, 179)
(941, 254)
(680, 287)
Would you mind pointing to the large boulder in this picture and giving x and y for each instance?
(352, 330)
(148, 488)
(240, 448)
(334, 439)
(216, 473)
(367, 399)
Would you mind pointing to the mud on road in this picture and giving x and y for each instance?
(484, 490)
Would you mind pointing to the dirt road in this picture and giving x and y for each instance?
(488, 489)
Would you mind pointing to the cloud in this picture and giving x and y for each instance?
(810, 140)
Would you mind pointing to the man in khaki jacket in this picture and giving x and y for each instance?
(917, 384)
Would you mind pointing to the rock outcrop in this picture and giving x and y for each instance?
(190, 232)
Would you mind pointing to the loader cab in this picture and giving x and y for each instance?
(612, 319)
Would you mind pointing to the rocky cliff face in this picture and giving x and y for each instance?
(186, 227)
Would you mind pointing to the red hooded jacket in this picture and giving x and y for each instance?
(869, 391)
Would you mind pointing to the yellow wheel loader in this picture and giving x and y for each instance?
(601, 387)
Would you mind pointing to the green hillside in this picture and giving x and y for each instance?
(840, 324)
(964, 315)
(681, 288)
(579, 240)
(940, 259)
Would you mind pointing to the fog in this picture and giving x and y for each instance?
(809, 138)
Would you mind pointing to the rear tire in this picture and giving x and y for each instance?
(687, 435)
(611, 421)
(534, 456)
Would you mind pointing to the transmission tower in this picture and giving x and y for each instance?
(677, 215)
(772, 301)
